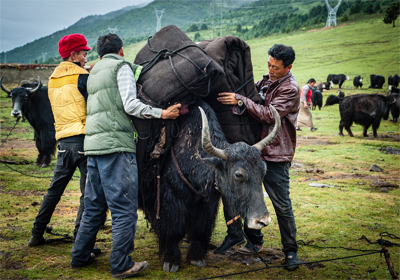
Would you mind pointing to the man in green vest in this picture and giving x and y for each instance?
(110, 145)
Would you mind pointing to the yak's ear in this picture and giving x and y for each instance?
(212, 161)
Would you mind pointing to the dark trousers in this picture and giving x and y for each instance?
(276, 184)
(112, 181)
(70, 156)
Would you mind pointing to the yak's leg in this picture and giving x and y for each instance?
(349, 131)
(365, 128)
(200, 224)
(341, 128)
(170, 229)
(375, 125)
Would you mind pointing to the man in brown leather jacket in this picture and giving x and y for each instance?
(278, 88)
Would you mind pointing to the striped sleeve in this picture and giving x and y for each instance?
(132, 105)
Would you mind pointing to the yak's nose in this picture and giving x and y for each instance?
(15, 113)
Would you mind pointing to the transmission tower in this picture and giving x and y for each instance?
(159, 15)
(332, 14)
(112, 30)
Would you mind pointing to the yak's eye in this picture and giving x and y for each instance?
(239, 176)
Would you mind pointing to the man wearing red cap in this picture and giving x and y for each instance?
(68, 95)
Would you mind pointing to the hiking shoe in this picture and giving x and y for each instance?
(36, 240)
(291, 262)
(313, 129)
(92, 257)
(248, 249)
(96, 251)
(137, 268)
(229, 243)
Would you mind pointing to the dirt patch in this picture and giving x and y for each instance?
(24, 193)
(269, 255)
(390, 151)
(25, 148)
(8, 264)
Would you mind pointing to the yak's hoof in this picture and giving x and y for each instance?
(37, 163)
(198, 263)
(167, 268)
(44, 165)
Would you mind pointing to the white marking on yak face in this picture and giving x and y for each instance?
(390, 87)
(16, 112)
(360, 80)
(347, 77)
(323, 86)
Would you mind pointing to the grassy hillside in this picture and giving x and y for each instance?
(356, 48)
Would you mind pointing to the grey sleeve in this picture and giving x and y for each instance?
(132, 105)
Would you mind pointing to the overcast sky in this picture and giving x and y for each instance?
(23, 21)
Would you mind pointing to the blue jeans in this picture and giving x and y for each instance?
(112, 181)
(276, 184)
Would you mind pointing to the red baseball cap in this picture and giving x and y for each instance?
(72, 43)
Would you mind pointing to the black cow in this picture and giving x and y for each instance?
(394, 99)
(377, 81)
(340, 94)
(393, 81)
(316, 99)
(202, 166)
(337, 79)
(34, 105)
(357, 82)
(363, 109)
(319, 87)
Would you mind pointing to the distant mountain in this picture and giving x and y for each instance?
(243, 18)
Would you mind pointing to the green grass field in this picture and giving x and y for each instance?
(336, 216)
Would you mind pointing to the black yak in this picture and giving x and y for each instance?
(337, 79)
(393, 81)
(394, 99)
(363, 109)
(357, 82)
(201, 167)
(377, 81)
(34, 105)
(316, 99)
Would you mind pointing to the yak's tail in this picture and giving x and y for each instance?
(332, 99)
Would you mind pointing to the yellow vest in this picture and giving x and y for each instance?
(68, 104)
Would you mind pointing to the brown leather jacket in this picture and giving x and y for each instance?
(284, 95)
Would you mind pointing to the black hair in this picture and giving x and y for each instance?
(312, 80)
(109, 43)
(282, 52)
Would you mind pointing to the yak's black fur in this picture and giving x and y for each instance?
(394, 81)
(36, 108)
(363, 109)
(316, 99)
(336, 79)
(181, 210)
(377, 81)
(394, 99)
(357, 82)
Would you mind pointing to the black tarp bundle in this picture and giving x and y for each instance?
(233, 55)
(175, 70)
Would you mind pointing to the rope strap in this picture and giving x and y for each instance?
(233, 220)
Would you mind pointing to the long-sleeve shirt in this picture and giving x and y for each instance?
(306, 93)
(132, 105)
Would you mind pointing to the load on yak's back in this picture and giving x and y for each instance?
(180, 184)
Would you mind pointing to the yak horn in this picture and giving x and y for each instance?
(3, 88)
(36, 88)
(264, 142)
(206, 140)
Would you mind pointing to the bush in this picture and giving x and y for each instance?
(204, 27)
(345, 17)
(197, 37)
(193, 28)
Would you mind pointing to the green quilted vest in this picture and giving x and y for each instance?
(109, 129)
